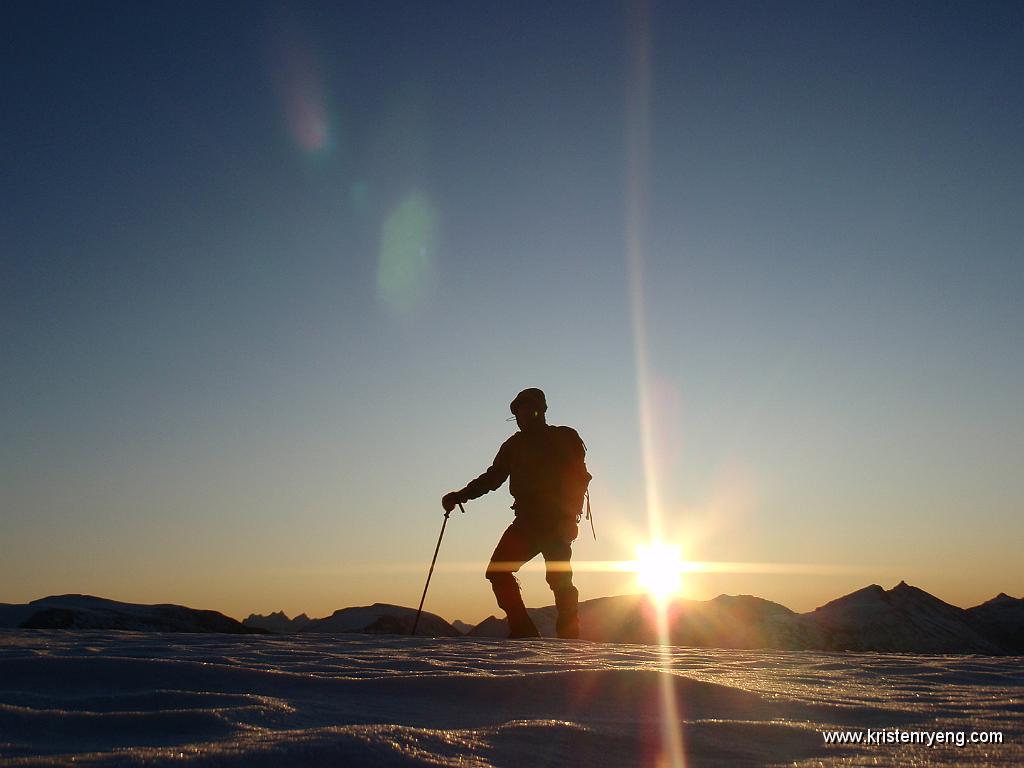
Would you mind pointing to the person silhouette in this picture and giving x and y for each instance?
(547, 473)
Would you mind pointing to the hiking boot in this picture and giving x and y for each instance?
(568, 623)
(568, 628)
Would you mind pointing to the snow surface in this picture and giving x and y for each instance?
(126, 698)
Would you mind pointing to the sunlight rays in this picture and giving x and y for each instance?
(633, 566)
(659, 570)
(637, 154)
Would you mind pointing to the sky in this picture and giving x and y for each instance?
(270, 275)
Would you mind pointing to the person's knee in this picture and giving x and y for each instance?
(560, 581)
(506, 590)
(501, 579)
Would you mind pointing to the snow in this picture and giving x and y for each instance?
(127, 698)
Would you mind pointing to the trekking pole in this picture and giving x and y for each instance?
(431, 572)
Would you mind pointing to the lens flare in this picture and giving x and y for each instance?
(638, 143)
(408, 242)
(298, 81)
(659, 569)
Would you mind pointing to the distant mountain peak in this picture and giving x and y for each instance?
(75, 611)
(382, 618)
(277, 622)
(907, 595)
(873, 593)
(72, 597)
(749, 601)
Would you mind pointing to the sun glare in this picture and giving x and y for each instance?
(659, 569)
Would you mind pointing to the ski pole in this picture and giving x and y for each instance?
(431, 572)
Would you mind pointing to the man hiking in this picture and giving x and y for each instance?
(548, 478)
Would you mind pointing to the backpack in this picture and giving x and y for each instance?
(578, 477)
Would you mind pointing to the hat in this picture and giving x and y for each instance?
(531, 395)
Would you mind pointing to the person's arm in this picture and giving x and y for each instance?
(490, 480)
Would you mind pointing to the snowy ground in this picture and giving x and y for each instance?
(122, 698)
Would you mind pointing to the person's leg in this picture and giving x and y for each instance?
(514, 548)
(557, 553)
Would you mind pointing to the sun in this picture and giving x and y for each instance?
(659, 568)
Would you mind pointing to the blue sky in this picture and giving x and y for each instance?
(271, 274)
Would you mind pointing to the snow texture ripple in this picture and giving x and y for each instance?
(130, 698)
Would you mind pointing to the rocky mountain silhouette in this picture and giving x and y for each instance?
(88, 612)
(277, 622)
(903, 619)
(382, 618)
(1002, 620)
(462, 626)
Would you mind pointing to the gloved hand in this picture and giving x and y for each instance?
(449, 500)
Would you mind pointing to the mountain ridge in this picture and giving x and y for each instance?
(903, 619)
(76, 611)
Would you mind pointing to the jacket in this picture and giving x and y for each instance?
(546, 470)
